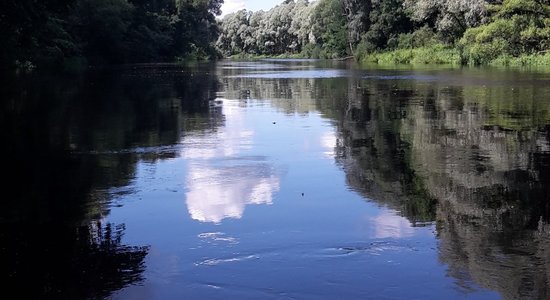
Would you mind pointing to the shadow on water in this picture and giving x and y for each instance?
(61, 262)
(473, 159)
(467, 150)
(70, 145)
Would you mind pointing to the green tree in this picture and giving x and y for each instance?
(106, 31)
(196, 27)
(34, 32)
(451, 18)
(234, 33)
(101, 27)
(387, 19)
(151, 34)
(286, 28)
(329, 28)
(357, 13)
(517, 27)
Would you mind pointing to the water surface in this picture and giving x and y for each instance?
(277, 179)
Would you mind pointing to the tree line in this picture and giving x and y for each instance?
(102, 32)
(465, 31)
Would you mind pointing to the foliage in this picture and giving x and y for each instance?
(520, 27)
(286, 28)
(435, 54)
(508, 32)
(526, 60)
(80, 262)
(315, 29)
(106, 31)
(423, 37)
(74, 33)
(321, 29)
(101, 27)
(357, 14)
(387, 19)
(449, 17)
(31, 31)
(329, 29)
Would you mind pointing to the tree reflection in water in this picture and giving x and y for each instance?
(71, 145)
(470, 157)
(60, 262)
(475, 165)
(469, 152)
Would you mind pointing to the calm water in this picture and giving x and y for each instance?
(277, 180)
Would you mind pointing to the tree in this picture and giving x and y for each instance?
(106, 31)
(387, 19)
(451, 18)
(34, 31)
(329, 28)
(101, 27)
(234, 32)
(518, 27)
(301, 23)
(285, 28)
(357, 13)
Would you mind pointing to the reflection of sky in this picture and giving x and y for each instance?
(221, 178)
(295, 74)
(328, 141)
(389, 225)
(320, 230)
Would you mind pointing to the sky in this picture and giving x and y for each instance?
(230, 6)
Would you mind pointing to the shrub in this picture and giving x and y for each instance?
(422, 37)
(435, 54)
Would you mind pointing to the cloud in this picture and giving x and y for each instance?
(328, 142)
(230, 6)
(216, 193)
(389, 225)
(221, 179)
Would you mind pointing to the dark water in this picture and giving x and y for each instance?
(277, 180)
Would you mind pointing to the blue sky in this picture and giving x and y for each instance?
(230, 6)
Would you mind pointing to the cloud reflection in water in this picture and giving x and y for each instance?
(389, 225)
(221, 178)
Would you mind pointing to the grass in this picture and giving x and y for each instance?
(527, 60)
(441, 54)
(436, 54)
(429, 55)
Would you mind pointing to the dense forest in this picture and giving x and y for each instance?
(99, 32)
(74, 33)
(398, 31)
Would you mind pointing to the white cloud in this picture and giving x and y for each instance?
(389, 225)
(328, 142)
(217, 193)
(221, 179)
(230, 6)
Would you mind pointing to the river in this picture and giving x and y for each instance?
(277, 179)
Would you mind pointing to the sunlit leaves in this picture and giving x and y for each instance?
(519, 27)
(285, 28)
(450, 17)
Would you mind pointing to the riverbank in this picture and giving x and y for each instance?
(247, 56)
(437, 54)
(440, 54)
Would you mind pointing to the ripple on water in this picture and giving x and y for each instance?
(295, 74)
(218, 261)
(402, 77)
(373, 248)
(250, 66)
(217, 237)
